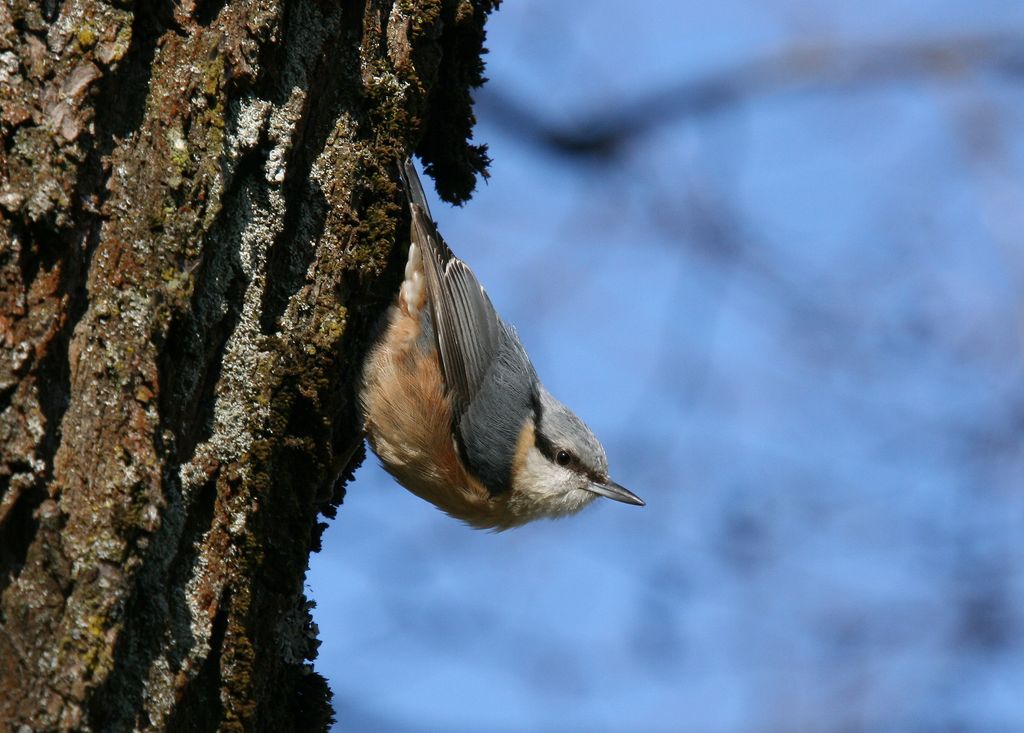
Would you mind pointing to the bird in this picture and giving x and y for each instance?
(453, 406)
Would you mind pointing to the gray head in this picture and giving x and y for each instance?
(567, 465)
(567, 440)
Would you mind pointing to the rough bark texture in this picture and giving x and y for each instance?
(198, 218)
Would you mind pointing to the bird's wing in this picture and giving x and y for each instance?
(466, 325)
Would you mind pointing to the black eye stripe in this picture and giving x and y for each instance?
(556, 455)
(545, 446)
(548, 449)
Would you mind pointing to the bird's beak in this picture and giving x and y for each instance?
(614, 491)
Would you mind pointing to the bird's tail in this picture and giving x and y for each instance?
(413, 187)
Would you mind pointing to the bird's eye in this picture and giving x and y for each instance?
(562, 458)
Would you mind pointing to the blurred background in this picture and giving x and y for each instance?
(773, 253)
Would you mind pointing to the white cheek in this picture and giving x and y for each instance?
(542, 478)
(550, 489)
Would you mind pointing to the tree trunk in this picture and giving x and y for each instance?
(198, 219)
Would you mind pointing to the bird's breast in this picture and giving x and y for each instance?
(408, 419)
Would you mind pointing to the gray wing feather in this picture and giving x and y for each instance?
(466, 325)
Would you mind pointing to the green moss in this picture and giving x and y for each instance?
(331, 328)
(237, 664)
(424, 13)
(445, 148)
(86, 37)
(213, 75)
(180, 158)
(113, 52)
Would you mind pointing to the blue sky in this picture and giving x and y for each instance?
(796, 324)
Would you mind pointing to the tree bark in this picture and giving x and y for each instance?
(198, 220)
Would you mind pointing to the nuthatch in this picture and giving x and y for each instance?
(454, 408)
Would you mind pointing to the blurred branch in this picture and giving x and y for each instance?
(815, 69)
